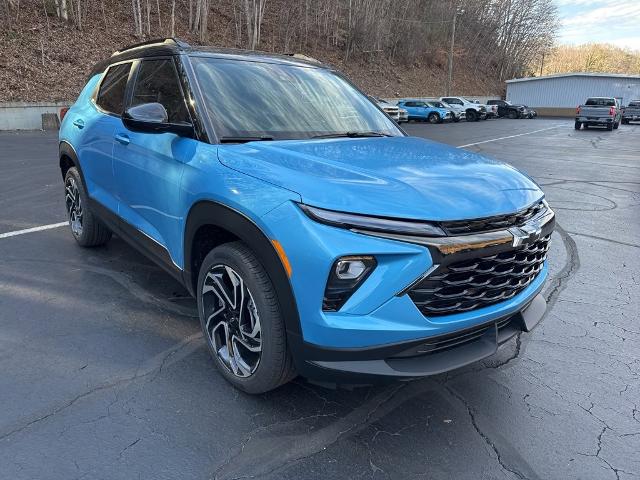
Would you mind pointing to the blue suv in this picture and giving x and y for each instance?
(318, 238)
(425, 111)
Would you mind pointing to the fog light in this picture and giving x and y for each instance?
(346, 275)
(350, 269)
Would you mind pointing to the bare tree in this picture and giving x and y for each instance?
(254, 14)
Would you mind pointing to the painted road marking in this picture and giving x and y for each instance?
(510, 136)
(34, 229)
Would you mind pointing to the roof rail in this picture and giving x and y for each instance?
(170, 40)
(302, 56)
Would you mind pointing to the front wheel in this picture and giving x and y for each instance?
(433, 118)
(512, 115)
(577, 125)
(241, 320)
(472, 116)
(610, 127)
(456, 119)
(616, 125)
(86, 228)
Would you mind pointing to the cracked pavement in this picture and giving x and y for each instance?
(105, 374)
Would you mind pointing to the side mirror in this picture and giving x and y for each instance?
(153, 118)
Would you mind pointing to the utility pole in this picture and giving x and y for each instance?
(453, 41)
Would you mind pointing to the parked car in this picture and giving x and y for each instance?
(392, 110)
(403, 115)
(457, 111)
(631, 113)
(492, 110)
(421, 111)
(473, 111)
(507, 109)
(531, 112)
(456, 116)
(599, 111)
(317, 238)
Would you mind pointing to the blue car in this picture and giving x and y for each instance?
(317, 237)
(425, 112)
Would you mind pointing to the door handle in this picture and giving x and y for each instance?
(123, 139)
(78, 122)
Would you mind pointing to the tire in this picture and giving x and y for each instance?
(577, 125)
(434, 118)
(248, 370)
(610, 127)
(472, 116)
(456, 119)
(616, 125)
(86, 227)
(625, 122)
(512, 115)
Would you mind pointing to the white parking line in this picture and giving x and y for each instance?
(510, 136)
(34, 229)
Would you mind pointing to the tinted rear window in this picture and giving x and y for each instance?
(111, 93)
(601, 102)
(634, 104)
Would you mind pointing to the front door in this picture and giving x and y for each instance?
(148, 166)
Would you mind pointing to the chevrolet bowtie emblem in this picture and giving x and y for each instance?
(525, 233)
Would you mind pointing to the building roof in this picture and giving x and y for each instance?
(576, 74)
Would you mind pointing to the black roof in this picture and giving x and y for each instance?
(174, 46)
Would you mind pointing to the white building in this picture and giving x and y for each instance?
(560, 94)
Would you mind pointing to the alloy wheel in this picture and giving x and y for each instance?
(232, 322)
(74, 206)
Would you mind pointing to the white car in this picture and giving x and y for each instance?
(392, 110)
(473, 111)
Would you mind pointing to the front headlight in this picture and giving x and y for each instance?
(358, 222)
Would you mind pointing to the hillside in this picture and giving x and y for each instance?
(594, 57)
(44, 58)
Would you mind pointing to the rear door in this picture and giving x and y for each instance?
(148, 166)
(97, 128)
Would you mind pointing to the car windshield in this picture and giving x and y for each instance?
(270, 101)
(601, 102)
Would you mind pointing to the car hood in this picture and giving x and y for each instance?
(394, 176)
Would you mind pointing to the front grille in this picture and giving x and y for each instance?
(476, 283)
(499, 222)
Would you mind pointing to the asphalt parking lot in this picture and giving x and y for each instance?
(104, 373)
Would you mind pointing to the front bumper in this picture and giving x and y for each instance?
(380, 322)
(417, 358)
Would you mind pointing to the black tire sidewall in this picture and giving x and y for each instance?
(271, 322)
(87, 217)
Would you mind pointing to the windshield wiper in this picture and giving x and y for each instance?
(244, 139)
(353, 135)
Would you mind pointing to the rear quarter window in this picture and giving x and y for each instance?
(110, 96)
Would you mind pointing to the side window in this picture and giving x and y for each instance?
(157, 81)
(111, 94)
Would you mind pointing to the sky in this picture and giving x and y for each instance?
(600, 21)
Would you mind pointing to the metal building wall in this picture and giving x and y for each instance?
(568, 92)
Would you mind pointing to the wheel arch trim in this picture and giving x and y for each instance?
(209, 212)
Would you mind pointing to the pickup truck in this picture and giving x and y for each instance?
(507, 109)
(473, 111)
(631, 113)
(599, 111)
